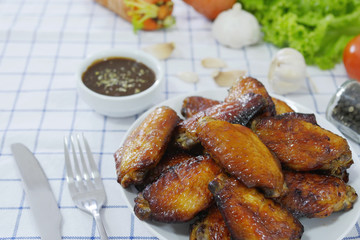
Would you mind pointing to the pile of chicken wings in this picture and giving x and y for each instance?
(246, 167)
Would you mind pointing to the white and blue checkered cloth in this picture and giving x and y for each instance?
(41, 44)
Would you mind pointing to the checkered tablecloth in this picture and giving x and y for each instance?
(41, 44)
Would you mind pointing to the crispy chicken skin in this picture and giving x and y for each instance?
(210, 226)
(145, 146)
(180, 193)
(171, 158)
(251, 85)
(240, 111)
(194, 104)
(308, 117)
(242, 154)
(281, 106)
(304, 146)
(249, 215)
(312, 195)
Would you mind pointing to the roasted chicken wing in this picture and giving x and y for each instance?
(145, 146)
(171, 158)
(281, 106)
(251, 85)
(304, 146)
(194, 104)
(179, 193)
(210, 226)
(249, 215)
(312, 195)
(308, 117)
(242, 154)
(240, 111)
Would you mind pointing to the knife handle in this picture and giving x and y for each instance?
(57, 235)
(52, 234)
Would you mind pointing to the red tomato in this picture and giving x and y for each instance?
(210, 8)
(351, 58)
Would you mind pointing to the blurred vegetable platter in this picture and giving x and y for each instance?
(318, 29)
(143, 14)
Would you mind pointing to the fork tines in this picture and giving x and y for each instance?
(85, 171)
(84, 182)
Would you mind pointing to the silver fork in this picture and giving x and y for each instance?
(85, 185)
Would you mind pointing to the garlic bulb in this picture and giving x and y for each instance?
(236, 28)
(287, 71)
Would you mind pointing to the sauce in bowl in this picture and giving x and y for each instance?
(118, 77)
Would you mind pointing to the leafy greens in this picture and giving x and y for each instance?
(319, 29)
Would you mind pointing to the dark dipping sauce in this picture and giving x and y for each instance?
(118, 77)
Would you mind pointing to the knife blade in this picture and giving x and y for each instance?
(38, 192)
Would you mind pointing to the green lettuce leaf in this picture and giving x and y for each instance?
(319, 29)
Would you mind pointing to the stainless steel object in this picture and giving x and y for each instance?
(38, 193)
(343, 109)
(84, 182)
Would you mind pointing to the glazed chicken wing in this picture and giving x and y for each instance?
(308, 117)
(210, 226)
(249, 215)
(145, 146)
(281, 106)
(241, 153)
(251, 85)
(312, 195)
(179, 193)
(194, 104)
(304, 146)
(240, 111)
(171, 158)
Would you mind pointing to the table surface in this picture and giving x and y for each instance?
(42, 42)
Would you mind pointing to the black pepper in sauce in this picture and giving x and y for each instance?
(118, 77)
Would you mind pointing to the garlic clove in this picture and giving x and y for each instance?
(161, 50)
(227, 79)
(189, 77)
(213, 63)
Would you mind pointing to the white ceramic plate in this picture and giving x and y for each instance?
(334, 227)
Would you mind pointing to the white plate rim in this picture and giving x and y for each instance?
(171, 231)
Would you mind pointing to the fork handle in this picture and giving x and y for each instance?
(100, 225)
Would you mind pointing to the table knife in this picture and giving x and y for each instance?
(38, 192)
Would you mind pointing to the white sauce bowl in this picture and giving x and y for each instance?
(121, 106)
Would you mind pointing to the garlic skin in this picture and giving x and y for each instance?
(189, 77)
(236, 28)
(161, 51)
(227, 79)
(287, 71)
(213, 63)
